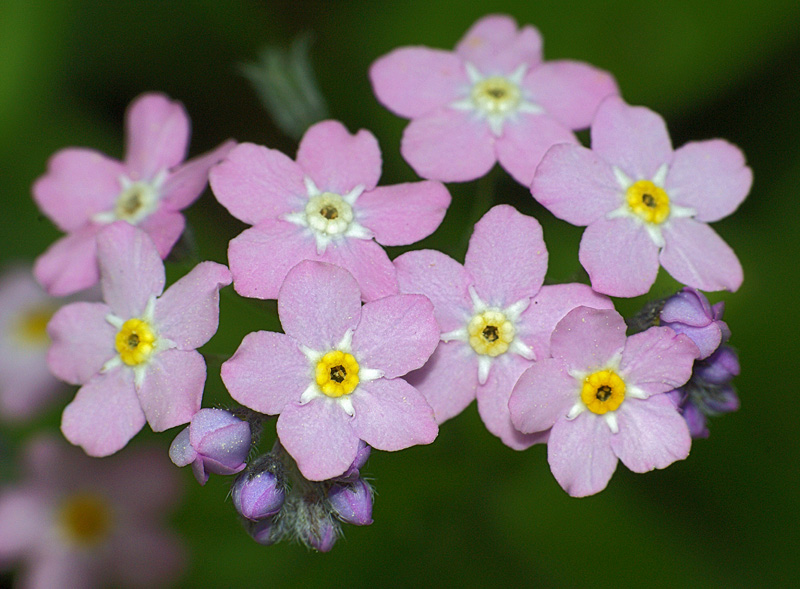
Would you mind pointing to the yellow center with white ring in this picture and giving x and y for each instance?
(490, 333)
(603, 391)
(336, 374)
(648, 201)
(496, 95)
(135, 342)
(329, 213)
(85, 519)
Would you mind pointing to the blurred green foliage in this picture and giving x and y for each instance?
(466, 510)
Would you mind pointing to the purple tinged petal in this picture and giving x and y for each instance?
(222, 437)
(720, 367)
(507, 256)
(707, 339)
(413, 81)
(588, 338)
(352, 502)
(392, 415)
(255, 183)
(187, 182)
(165, 228)
(574, 184)
(620, 257)
(652, 434)
(695, 421)
(336, 160)
(494, 45)
(172, 388)
(633, 138)
(396, 334)
(181, 451)
(267, 372)
(709, 176)
(368, 263)
(105, 414)
(257, 496)
(688, 307)
(403, 214)
(449, 145)
(580, 455)
(130, 268)
(543, 393)
(319, 436)
(82, 341)
(78, 184)
(657, 360)
(158, 134)
(440, 278)
(696, 256)
(70, 264)
(188, 312)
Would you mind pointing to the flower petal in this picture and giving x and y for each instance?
(157, 129)
(587, 338)
(541, 395)
(165, 228)
(146, 555)
(658, 360)
(368, 263)
(70, 264)
(187, 182)
(172, 388)
(495, 46)
(82, 341)
(23, 522)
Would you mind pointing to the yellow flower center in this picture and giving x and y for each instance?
(135, 342)
(85, 519)
(603, 391)
(32, 325)
(136, 202)
(496, 95)
(329, 213)
(490, 333)
(337, 373)
(648, 201)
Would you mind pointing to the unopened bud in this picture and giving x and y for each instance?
(352, 502)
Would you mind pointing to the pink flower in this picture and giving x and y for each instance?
(602, 395)
(495, 316)
(84, 190)
(135, 354)
(644, 203)
(77, 522)
(333, 377)
(490, 100)
(324, 207)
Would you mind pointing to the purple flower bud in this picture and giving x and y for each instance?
(719, 368)
(352, 473)
(352, 502)
(263, 531)
(257, 495)
(689, 312)
(696, 420)
(324, 536)
(215, 441)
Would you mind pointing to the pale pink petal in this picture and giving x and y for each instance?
(543, 393)
(403, 214)
(105, 414)
(525, 141)
(187, 182)
(267, 372)
(396, 334)
(336, 160)
(652, 434)
(620, 257)
(495, 46)
(131, 271)
(318, 303)
(588, 338)
(78, 184)
(710, 177)
(157, 129)
(82, 341)
(57, 566)
(188, 312)
(368, 263)
(449, 145)
(70, 264)
(413, 81)
(574, 184)
(440, 278)
(507, 256)
(658, 360)
(24, 519)
(255, 183)
(28, 389)
(696, 256)
(172, 388)
(392, 415)
(569, 91)
(319, 436)
(633, 138)
(449, 380)
(580, 455)
(165, 228)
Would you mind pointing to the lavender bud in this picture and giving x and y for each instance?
(689, 312)
(719, 368)
(324, 536)
(257, 494)
(352, 502)
(262, 531)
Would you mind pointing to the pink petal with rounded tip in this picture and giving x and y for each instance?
(157, 131)
(255, 183)
(507, 256)
(188, 312)
(338, 161)
(652, 434)
(696, 256)
(658, 360)
(413, 81)
(495, 46)
(58, 568)
(182, 453)
(23, 522)
(319, 436)
(70, 264)
(267, 372)
(586, 339)
(392, 415)
(187, 182)
(165, 228)
(542, 394)
(580, 455)
(78, 184)
(620, 257)
(368, 263)
(633, 138)
(318, 303)
(131, 271)
(403, 214)
(105, 413)
(82, 341)
(449, 145)
(172, 388)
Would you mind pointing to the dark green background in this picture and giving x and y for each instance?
(466, 510)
